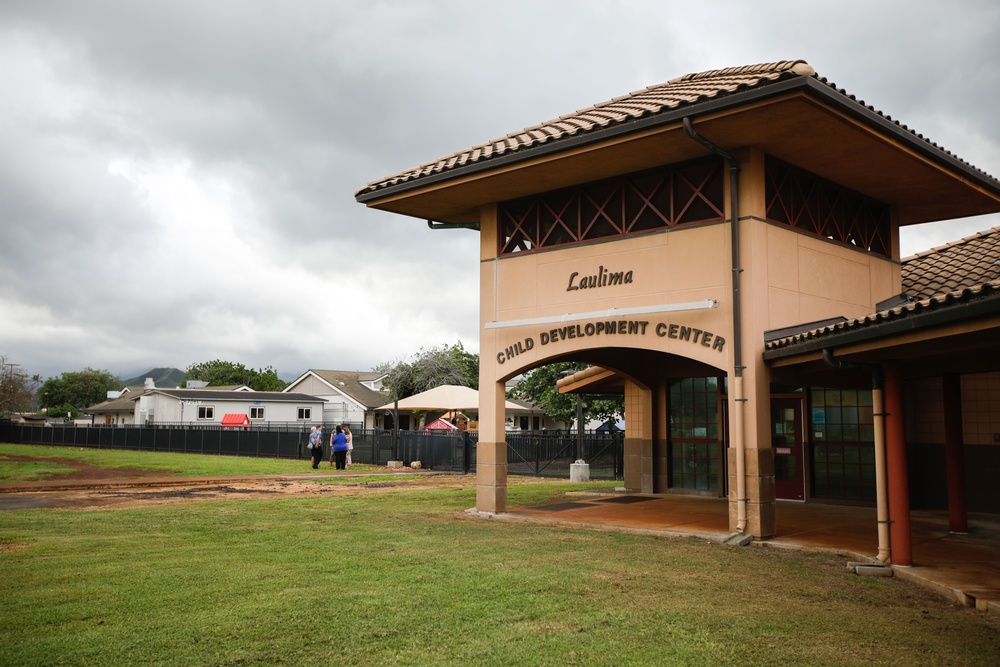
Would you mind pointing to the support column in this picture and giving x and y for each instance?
(898, 482)
(954, 443)
(750, 430)
(491, 452)
(638, 438)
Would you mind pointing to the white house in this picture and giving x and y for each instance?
(208, 406)
(118, 410)
(348, 396)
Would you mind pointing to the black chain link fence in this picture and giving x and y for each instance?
(548, 454)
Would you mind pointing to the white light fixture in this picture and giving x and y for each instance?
(611, 312)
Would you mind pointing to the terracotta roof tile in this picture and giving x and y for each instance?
(689, 89)
(972, 260)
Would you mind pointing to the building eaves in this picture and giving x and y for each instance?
(665, 103)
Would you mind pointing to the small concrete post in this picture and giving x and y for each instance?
(579, 471)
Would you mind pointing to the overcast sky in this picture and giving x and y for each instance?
(177, 177)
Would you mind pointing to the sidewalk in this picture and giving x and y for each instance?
(963, 567)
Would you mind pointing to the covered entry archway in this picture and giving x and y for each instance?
(675, 435)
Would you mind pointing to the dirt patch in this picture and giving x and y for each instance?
(122, 488)
(85, 471)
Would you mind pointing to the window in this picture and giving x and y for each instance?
(206, 412)
(694, 434)
(842, 434)
(256, 412)
(305, 413)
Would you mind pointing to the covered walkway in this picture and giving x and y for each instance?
(963, 567)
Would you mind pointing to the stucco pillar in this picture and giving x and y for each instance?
(638, 438)
(895, 455)
(491, 452)
(958, 520)
(758, 458)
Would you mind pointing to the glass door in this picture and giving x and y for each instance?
(786, 442)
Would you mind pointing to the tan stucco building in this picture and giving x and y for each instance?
(724, 249)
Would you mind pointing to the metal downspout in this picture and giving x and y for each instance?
(878, 409)
(738, 399)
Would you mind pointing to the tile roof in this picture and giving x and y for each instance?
(969, 261)
(951, 275)
(688, 90)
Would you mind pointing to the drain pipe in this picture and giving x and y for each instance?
(878, 409)
(737, 389)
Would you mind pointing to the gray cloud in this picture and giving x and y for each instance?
(177, 179)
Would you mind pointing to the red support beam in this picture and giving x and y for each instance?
(900, 542)
(954, 443)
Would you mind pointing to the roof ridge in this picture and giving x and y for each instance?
(577, 122)
(796, 66)
(951, 244)
(686, 91)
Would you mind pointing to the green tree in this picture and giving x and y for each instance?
(539, 386)
(429, 368)
(78, 390)
(17, 389)
(66, 411)
(218, 373)
(267, 380)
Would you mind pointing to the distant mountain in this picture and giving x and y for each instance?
(164, 378)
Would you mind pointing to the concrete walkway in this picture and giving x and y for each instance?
(963, 567)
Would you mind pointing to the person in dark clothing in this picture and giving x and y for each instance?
(317, 448)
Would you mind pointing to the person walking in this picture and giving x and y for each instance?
(316, 444)
(338, 443)
(350, 444)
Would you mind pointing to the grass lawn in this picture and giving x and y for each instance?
(169, 463)
(408, 578)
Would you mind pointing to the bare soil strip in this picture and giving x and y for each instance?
(90, 487)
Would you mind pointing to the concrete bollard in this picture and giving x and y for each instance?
(579, 471)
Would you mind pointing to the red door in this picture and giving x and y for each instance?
(786, 442)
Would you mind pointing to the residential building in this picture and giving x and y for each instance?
(118, 410)
(209, 406)
(349, 397)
